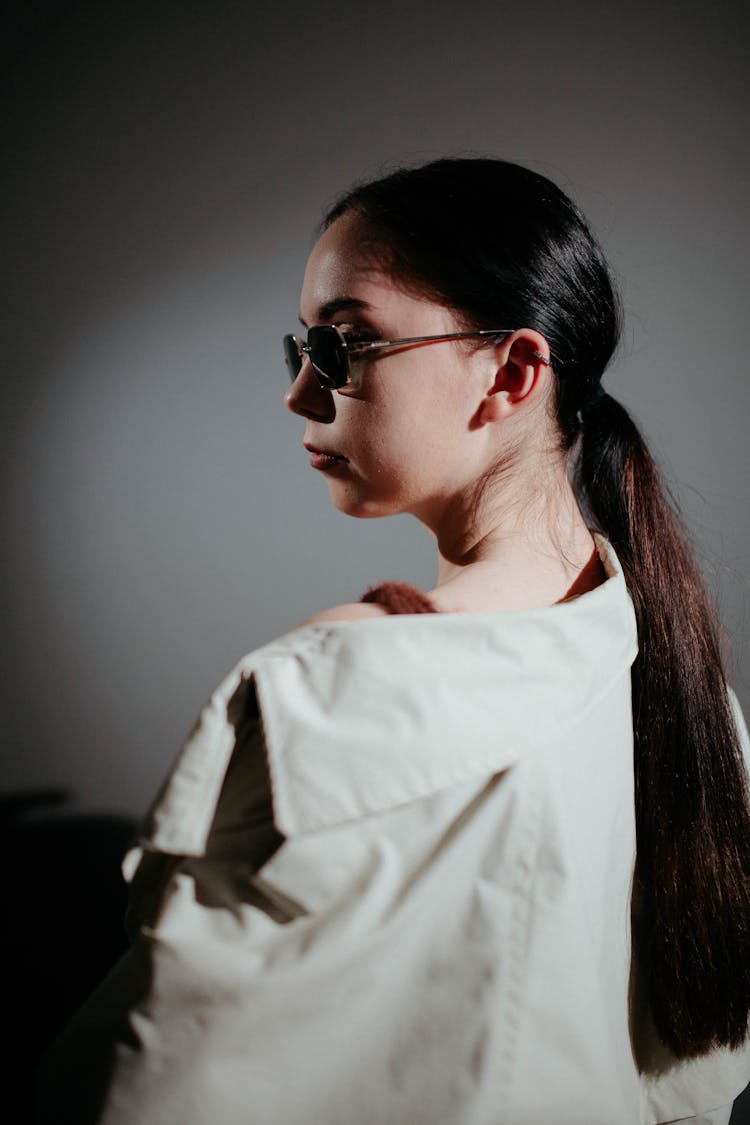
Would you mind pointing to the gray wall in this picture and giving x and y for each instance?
(168, 166)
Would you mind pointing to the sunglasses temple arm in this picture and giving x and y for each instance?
(368, 344)
(371, 345)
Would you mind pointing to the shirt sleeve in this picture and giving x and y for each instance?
(242, 837)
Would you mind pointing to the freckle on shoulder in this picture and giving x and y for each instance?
(350, 611)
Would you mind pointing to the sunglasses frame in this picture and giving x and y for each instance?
(346, 347)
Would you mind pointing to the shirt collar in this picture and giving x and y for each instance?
(360, 716)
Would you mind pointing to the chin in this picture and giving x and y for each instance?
(364, 507)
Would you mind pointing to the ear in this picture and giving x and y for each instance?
(519, 371)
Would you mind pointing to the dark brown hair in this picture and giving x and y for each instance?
(501, 244)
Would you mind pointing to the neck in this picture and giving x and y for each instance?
(524, 548)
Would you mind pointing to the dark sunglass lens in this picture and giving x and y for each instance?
(327, 355)
(291, 357)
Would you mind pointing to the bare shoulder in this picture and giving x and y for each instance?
(350, 611)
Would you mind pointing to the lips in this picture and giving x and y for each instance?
(315, 450)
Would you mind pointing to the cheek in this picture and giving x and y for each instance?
(406, 446)
(406, 435)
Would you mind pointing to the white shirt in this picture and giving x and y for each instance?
(420, 918)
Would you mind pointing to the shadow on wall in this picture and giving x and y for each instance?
(741, 1111)
(65, 903)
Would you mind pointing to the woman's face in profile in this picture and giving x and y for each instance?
(404, 427)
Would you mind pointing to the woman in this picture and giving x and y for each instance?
(390, 878)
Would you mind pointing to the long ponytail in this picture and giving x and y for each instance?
(500, 244)
(692, 877)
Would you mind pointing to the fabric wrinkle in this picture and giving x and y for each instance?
(388, 881)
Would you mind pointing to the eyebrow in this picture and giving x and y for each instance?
(338, 304)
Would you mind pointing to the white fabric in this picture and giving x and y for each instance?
(423, 921)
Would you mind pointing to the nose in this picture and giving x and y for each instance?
(306, 396)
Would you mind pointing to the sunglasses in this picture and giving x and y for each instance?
(333, 353)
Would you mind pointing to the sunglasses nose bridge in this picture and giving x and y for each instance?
(307, 398)
(303, 353)
(309, 386)
(326, 353)
(306, 366)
